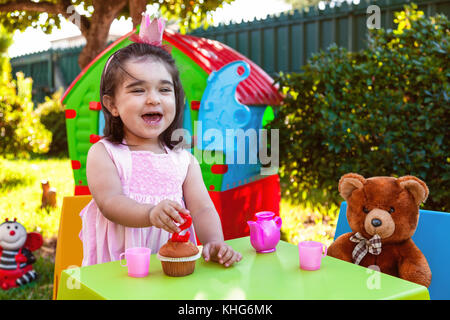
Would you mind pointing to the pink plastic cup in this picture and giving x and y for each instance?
(138, 261)
(311, 254)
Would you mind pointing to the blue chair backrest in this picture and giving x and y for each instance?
(432, 237)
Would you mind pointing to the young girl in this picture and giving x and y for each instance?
(138, 179)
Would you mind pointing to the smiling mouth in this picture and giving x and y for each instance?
(10, 242)
(152, 118)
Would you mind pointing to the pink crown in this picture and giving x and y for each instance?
(151, 32)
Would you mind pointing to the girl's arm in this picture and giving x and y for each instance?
(205, 218)
(106, 189)
(204, 215)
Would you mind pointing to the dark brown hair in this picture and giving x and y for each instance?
(114, 72)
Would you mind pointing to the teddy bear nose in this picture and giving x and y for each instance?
(12, 232)
(376, 222)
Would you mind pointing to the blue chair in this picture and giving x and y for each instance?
(432, 237)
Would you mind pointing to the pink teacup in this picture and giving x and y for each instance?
(138, 261)
(311, 254)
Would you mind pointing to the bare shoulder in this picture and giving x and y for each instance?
(194, 173)
(191, 157)
(98, 159)
(192, 160)
(193, 165)
(101, 172)
(98, 149)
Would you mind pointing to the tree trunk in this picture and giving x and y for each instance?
(95, 43)
(97, 35)
(137, 7)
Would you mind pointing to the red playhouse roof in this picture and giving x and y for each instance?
(211, 55)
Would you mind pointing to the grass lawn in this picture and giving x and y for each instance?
(20, 197)
(21, 192)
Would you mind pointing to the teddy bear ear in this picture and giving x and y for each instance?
(350, 182)
(416, 187)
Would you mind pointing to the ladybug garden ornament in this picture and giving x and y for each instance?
(16, 256)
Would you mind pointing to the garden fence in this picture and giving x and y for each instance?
(285, 42)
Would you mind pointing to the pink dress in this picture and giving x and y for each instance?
(147, 178)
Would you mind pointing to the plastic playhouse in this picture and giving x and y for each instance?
(224, 90)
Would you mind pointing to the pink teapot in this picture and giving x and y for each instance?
(265, 231)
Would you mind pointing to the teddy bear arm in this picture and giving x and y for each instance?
(341, 248)
(414, 267)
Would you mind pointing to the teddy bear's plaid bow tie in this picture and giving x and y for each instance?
(363, 246)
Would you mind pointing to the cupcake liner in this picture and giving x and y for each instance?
(182, 259)
(178, 267)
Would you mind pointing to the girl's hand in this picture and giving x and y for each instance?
(164, 213)
(220, 252)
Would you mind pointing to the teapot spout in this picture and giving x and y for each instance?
(253, 225)
(255, 232)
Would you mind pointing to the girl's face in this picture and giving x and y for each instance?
(144, 100)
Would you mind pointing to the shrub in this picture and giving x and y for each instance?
(21, 132)
(379, 111)
(52, 115)
(5, 42)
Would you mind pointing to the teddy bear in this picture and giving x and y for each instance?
(383, 213)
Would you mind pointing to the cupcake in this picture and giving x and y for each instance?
(178, 258)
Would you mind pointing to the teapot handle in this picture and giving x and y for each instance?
(277, 221)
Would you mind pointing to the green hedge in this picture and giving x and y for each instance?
(21, 132)
(381, 111)
(52, 115)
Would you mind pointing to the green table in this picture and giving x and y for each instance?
(271, 276)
